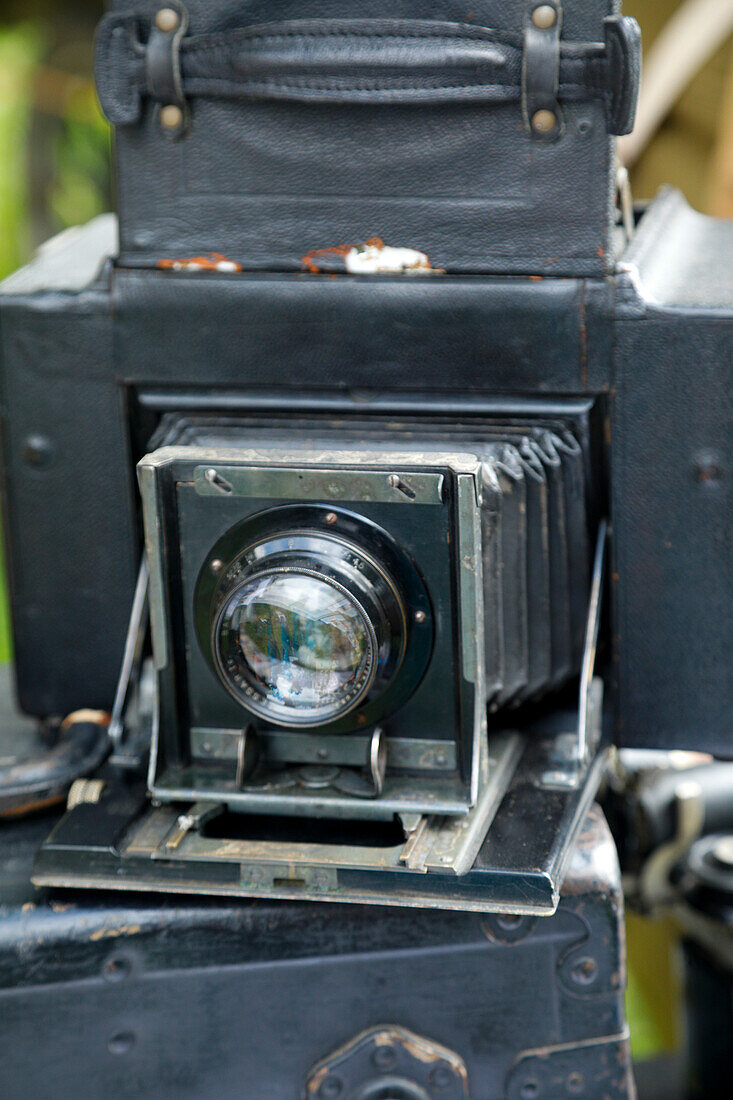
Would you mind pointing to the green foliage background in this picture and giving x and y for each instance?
(54, 142)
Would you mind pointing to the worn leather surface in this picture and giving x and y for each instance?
(672, 506)
(304, 140)
(87, 367)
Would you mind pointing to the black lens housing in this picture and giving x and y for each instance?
(356, 558)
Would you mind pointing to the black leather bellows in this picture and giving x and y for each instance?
(267, 131)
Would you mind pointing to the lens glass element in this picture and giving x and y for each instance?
(306, 643)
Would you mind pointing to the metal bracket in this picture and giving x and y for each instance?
(314, 776)
(197, 816)
(248, 753)
(452, 843)
(541, 70)
(353, 782)
(448, 845)
(389, 1061)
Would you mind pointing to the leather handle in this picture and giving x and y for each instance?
(344, 61)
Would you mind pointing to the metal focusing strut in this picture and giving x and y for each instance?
(575, 751)
(585, 748)
(132, 655)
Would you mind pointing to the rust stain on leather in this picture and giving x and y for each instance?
(213, 261)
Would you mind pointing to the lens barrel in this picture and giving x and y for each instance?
(308, 624)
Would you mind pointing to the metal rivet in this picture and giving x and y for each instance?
(37, 450)
(216, 565)
(168, 20)
(384, 1057)
(575, 1082)
(584, 971)
(544, 121)
(332, 1086)
(707, 468)
(116, 969)
(121, 1043)
(441, 1077)
(544, 17)
(420, 616)
(172, 117)
(331, 517)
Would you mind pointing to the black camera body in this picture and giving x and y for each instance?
(91, 365)
(373, 481)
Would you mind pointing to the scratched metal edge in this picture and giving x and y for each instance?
(131, 883)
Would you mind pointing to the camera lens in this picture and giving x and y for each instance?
(307, 644)
(309, 627)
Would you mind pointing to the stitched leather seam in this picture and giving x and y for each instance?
(352, 86)
(244, 35)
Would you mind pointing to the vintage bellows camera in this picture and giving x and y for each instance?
(337, 608)
(372, 383)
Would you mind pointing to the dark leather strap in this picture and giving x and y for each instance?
(163, 78)
(541, 70)
(385, 61)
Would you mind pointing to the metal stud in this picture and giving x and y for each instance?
(171, 117)
(544, 17)
(167, 20)
(544, 121)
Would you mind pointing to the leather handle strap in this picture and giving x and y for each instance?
(351, 61)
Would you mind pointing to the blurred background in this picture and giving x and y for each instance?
(55, 172)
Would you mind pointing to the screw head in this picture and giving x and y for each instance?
(584, 972)
(544, 121)
(37, 451)
(171, 117)
(706, 468)
(121, 1043)
(384, 1057)
(332, 1087)
(167, 20)
(420, 616)
(509, 921)
(441, 1076)
(116, 969)
(331, 518)
(216, 565)
(544, 17)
